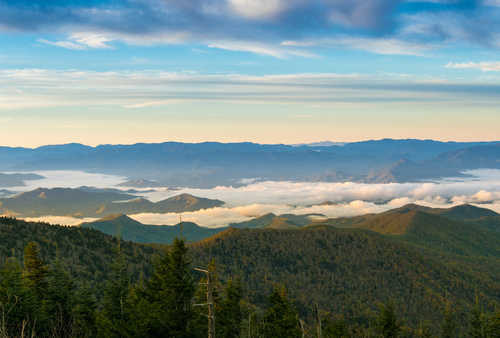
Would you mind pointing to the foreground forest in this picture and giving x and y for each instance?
(407, 272)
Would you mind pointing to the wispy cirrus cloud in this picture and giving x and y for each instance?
(81, 41)
(484, 66)
(142, 89)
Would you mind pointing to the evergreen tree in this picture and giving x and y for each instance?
(62, 304)
(113, 320)
(493, 326)
(85, 309)
(19, 307)
(169, 293)
(425, 330)
(281, 320)
(386, 325)
(232, 312)
(477, 322)
(36, 270)
(337, 329)
(448, 325)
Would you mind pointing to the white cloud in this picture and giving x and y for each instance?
(297, 198)
(484, 66)
(60, 220)
(81, 41)
(257, 9)
(64, 44)
(140, 89)
(387, 46)
(262, 49)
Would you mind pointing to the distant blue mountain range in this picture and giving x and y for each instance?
(210, 164)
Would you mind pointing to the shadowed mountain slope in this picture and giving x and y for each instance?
(132, 230)
(56, 202)
(211, 164)
(80, 203)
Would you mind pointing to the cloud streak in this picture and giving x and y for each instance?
(484, 66)
(141, 89)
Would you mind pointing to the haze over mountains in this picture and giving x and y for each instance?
(206, 165)
(80, 203)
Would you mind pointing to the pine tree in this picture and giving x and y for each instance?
(493, 326)
(169, 293)
(113, 320)
(36, 271)
(62, 303)
(281, 320)
(425, 330)
(386, 325)
(85, 309)
(232, 311)
(20, 309)
(448, 325)
(477, 322)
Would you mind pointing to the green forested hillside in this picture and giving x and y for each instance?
(349, 270)
(135, 231)
(416, 258)
(85, 252)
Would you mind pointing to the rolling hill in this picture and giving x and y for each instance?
(132, 230)
(80, 203)
(270, 220)
(416, 257)
(17, 180)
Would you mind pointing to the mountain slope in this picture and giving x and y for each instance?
(484, 156)
(270, 220)
(86, 253)
(81, 203)
(55, 202)
(17, 180)
(132, 230)
(345, 269)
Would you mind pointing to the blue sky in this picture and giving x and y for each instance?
(267, 71)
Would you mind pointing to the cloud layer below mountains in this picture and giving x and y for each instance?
(351, 199)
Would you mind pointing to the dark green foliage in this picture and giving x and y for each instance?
(338, 329)
(135, 231)
(85, 309)
(86, 253)
(167, 295)
(477, 322)
(36, 270)
(281, 320)
(19, 306)
(350, 271)
(448, 324)
(114, 317)
(424, 330)
(232, 312)
(493, 326)
(386, 324)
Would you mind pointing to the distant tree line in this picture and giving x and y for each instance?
(38, 300)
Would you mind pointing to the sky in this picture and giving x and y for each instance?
(265, 71)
